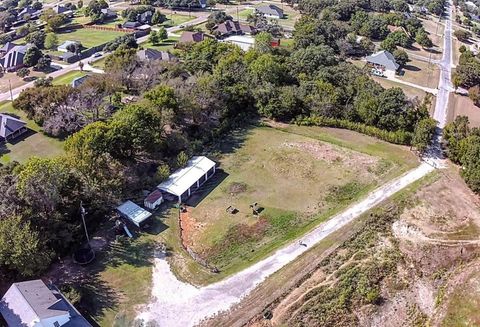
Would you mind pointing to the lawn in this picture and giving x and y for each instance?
(68, 77)
(461, 105)
(421, 73)
(163, 46)
(289, 20)
(8, 80)
(301, 176)
(88, 37)
(32, 144)
(176, 19)
(243, 15)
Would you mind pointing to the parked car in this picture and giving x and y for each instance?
(97, 54)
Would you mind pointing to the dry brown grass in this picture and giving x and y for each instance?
(460, 105)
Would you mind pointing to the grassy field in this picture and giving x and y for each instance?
(88, 37)
(421, 73)
(33, 144)
(163, 46)
(300, 176)
(463, 304)
(68, 77)
(460, 105)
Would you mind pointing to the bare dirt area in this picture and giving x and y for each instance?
(413, 263)
(460, 105)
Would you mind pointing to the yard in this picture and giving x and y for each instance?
(11, 80)
(88, 37)
(289, 20)
(68, 77)
(421, 73)
(176, 19)
(31, 144)
(163, 46)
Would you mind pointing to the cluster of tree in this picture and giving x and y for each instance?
(157, 37)
(94, 10)
(462, 144)
(131, 14)
(124, 41)
(467, 73)
(53, 20)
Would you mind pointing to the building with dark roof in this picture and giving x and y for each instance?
(12, 59)
(152, 54)
(131, 25)
(32, 303)
(109, 13)
(191, 37)
(230, 27)
(11, 127)
(270, 11)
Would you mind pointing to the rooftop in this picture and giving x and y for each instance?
(383, 58)
(134, 212)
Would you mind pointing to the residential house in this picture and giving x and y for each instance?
(32, 303)
(60, 9)
(79, 81)
(131, 25)
(191, 37)
(230, 27)
(29, 12)
(152, 54)
(65, 45)
(12, 56)
(109, 13)
(383, 64)
(11, 127)
(145, 18)
(270, 11)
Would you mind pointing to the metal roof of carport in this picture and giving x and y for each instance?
(181, 180)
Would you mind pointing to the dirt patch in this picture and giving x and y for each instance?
(459, 105)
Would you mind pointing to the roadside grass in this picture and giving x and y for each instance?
(421, 73)
(243, 14)
(31, 144)
(463, 304)
(88, 37)
(68, 77)
(8, 80)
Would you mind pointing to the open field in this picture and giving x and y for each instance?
(176, 19)
(162, 46)
(88, 37)
(460, 105)
(8, 80)
(68, 77)
(30, 144)
(297, 178)
(421, 73)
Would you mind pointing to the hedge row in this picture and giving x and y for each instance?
(397, 137)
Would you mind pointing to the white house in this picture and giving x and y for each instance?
(32, 303)
(153, 200)
(245, 42)
(383, 62)
(270, 11)
(133, 212)
(64, 46)
(185, 181)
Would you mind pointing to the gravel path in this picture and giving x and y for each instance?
(176, 303)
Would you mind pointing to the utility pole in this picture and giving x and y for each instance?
(83, 213)
(10, 87)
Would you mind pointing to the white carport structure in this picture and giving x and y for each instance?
(185, 181)
(134, 213)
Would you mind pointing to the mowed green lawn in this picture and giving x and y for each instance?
(68, 77)
(33, 144)
(88, 37)
(176, 19)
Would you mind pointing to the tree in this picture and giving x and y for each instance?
(182, 159)
(43, 63)
(423, 134)
(162, 33)
(310, 59)
(401, 57)
(23, 72)
(456, 80)
(471, 162)
(80, 4)
(162, 97)
(22, 252)
(153, 38)
(263, 42)
(474, 94)
(51, 41)
(6, 19)
(32, 56)
(158, 17)
(423, 39)
(462, 35)
(37, 38)
(53, 20)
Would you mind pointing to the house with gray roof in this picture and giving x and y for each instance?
(33, 303)
(11, 127)
(230, 27)
(270, 11)
(384, 62)
(191, 37)
(12, 59)
(152, 54)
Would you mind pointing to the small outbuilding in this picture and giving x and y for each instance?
(133, 212)
(153, 200)
(185, 181)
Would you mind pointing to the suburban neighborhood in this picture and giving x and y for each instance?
(239, 163)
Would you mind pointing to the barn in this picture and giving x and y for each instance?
(187, 180)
